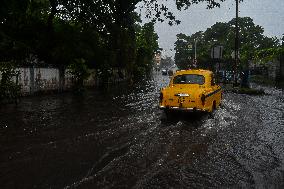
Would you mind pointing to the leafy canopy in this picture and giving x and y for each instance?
(251, 40)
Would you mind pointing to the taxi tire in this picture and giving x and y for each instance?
(214, 107)
(211, 113)
(169, 114)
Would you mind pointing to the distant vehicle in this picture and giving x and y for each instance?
(170, 72)
(191, 90)
(164, 72)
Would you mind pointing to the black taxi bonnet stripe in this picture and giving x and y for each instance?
(210, 94)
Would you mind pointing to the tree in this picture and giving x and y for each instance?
(79, 71)
(252, 39)
(55, 30)
(182, 47)
(147, 45)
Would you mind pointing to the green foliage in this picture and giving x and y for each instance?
(183, 51)
(101, 32)
(269, 54)
(9, 87)
(252, 40)
(147, 39)
(139, 73)
(147, 45)
(105, 73)
(248, 91)
(79, 71)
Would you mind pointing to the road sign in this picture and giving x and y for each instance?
(217, 52)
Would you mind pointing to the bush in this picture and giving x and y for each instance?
(80, 72)
(9, 88)
(139, 73)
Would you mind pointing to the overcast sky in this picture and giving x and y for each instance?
(267, 13)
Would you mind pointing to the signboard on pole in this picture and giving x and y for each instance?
(217, 52)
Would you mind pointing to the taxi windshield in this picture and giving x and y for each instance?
(189, 79)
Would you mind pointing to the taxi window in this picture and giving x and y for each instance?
(189, 79)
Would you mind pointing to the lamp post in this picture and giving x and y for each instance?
(195, 53)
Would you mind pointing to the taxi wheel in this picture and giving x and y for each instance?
(169, 114)
(211, 113)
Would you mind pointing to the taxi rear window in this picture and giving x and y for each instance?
(189, 79)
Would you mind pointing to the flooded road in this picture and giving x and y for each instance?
(122, 140)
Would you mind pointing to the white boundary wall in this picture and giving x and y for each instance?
(34, 80)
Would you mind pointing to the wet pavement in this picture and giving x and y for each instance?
(106, 139)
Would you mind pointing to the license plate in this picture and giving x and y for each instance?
(183, 94)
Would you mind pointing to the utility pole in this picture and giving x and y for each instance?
(195, 43)
(195, 56)
(236, 41)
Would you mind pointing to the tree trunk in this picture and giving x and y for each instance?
(53, 4)
(61, 79)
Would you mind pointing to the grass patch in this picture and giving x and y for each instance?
(242, 90)
(262, 80)
(248, 91)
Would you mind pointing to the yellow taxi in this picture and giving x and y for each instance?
(191, 90)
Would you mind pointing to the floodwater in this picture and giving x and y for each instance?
(106, 139)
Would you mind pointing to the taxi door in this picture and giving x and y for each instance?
(215, 93)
